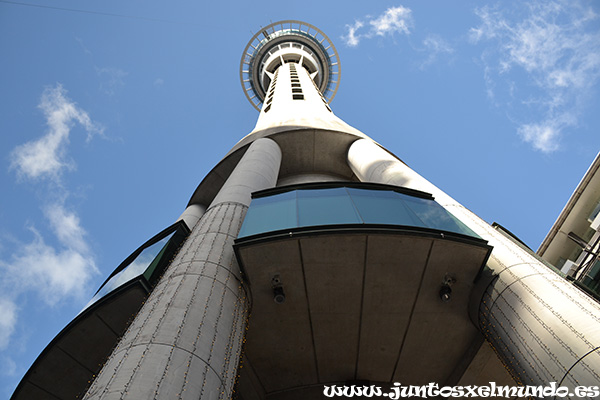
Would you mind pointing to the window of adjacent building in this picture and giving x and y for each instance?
(591, 280)
(594, 212)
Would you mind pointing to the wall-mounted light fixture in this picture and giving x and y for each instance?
(446, 289)
(277, 286)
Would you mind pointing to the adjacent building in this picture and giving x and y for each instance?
(573, 243)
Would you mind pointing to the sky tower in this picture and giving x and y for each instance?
(309, 256)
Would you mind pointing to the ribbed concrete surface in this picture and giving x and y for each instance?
(185, 343)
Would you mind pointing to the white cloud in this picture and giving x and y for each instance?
(66, 226)
(435, 45)
(64, 269)
(557, 45)
(84, 48)
(53, 274)
(393, 20)
(352, 39)
(46, 156)
(114, 79)
(8, 320)
(543, 136)
(9, 367)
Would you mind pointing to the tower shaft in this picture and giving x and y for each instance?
(294, 99)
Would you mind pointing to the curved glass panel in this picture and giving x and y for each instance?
(146, 262)
(383, 207)
(347, 205)
(272, 213)
(325, 207)
(138, 266)
(436, 216)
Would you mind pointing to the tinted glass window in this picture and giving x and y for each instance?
(267, 214)
(143, 265)
(346, 205)
(383, 207)
(435, 216)
(326, 207)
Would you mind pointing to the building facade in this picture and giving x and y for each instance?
(573, 243)
(311, 256)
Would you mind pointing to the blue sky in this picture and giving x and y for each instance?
(113, 112)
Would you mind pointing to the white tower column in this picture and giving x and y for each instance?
(185, 342)
(192, 214)
(542, 328)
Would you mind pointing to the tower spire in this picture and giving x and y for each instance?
(283, 42)
(290, 72)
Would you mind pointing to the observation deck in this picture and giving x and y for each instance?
(346, 282)
(288, 41)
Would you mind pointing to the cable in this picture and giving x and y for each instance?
(97, 13)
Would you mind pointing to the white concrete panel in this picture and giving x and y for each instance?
(258, 169)
(192, 215)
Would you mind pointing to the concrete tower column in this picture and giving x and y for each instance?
(542, 328)
(192, 214)
(185, 342)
